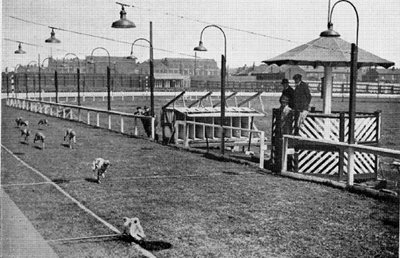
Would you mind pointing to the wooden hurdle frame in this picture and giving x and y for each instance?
(184, 125)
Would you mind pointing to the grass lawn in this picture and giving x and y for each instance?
(189, 205)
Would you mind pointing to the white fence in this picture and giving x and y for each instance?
(124, 123)
(349, 148)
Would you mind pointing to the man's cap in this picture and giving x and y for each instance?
(284, 81)
(297, 76)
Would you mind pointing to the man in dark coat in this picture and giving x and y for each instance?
(302, 98)
(287, 92)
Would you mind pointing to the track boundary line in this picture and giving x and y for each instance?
(24, 184)
(80, 205)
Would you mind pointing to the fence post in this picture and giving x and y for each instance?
(88, 117)
(341, 139)
(186, 135)
(122, 124)
(109, 121)
(135, 128)
(285, 144)
(262, 149)
(98, 120)
(153, 120)
(79, 115)
(350, 166)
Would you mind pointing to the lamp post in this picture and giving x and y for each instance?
(151, 64)
(40, 85)
(27, 69)
(108, 75)
(353, 90)
(201, 47)
(77, 75)
(15, 86)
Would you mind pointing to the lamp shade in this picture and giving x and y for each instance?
(19, 50)
(123, 22)
(52, 38)
(329, 32)
(131, 57)
(200, 47)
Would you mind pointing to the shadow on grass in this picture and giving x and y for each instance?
(148, 245)
(91, 180)
(24, 142)
(18, 153)
(60, 181)
(155, 245)
(38, 147)
(66, 145)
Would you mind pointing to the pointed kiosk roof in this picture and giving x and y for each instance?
(329, 49)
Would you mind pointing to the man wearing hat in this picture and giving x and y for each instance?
(287, 92)
(302, 98)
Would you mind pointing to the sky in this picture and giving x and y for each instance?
(255, 30)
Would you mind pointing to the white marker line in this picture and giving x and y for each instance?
(23, 184)
(80, 205)
(82, 238)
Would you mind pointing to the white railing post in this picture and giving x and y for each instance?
(63, 111)
(176, 135)
(186, 135)
(122, 124)
(350, 166)
(98, 120)
(153, 133)
(88, 117)
(135, 128)
(284, 153)
(79, 114)
(262, 149)
(109, 121)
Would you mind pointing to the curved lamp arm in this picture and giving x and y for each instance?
(358, 20)
(137, 41)
(216, 26)
(108, 53)
(76, 57)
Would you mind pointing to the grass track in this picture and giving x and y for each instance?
(229, 210)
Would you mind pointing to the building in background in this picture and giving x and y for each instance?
(183, 66)
(382, 75)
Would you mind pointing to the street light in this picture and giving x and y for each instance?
(123, 22)
(40, 85)
(77, 77)
(353, 86)
(201, 47)
(108, 74)
(151, 64)
(52, 38)
(19, 50)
